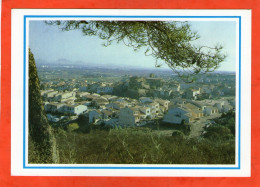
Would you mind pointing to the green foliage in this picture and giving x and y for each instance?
(177, 133)
(165, 41)
(39, 129)
(73, 126)
(223, 127)
(218, 132)
(222, 133)
(139, 146)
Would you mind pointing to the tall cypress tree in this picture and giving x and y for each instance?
(39, 130)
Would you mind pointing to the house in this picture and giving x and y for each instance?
(145, 112)
(90, 97)
(163, 104)
(117, 105)
(107, 114)
(177, 115)
(209, 110)
(65, 96)
(154, 108)
(195, 111)
(73, 109)
(177, 101)
(81, 94)
(219, 105)
(49, 96)
(191, 93)
(129, 116)
(53, 107)
(109, 97)
(179, 112)
(86, 103)
(44, 92)
(100, 102)
(94, 116)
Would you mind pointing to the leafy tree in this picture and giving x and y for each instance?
(218, 132)
(222, 129)
(166, 41)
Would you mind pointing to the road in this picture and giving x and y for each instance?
(197, 126)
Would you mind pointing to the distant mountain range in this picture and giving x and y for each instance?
(65, 62)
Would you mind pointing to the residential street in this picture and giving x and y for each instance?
(197, 126)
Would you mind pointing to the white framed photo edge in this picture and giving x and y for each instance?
(19, 91)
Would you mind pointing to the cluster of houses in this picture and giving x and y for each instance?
(106, 109)
(189, 110)
(128, 112)
(170, 100)
(114, 110)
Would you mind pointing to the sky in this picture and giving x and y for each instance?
(50, 44)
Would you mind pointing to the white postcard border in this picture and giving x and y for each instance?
(18, 167)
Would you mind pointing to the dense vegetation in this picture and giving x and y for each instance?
(141, 146)
(41, 140)
(83, 143)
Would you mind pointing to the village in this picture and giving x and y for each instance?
(139, 100)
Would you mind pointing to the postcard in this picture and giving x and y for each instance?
(131, 92)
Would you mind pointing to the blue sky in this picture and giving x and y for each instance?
(50, 44)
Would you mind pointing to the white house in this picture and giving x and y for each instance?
(177, 115)
(209, 110)
(62, 97)
(44, 92)
(73, 109)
